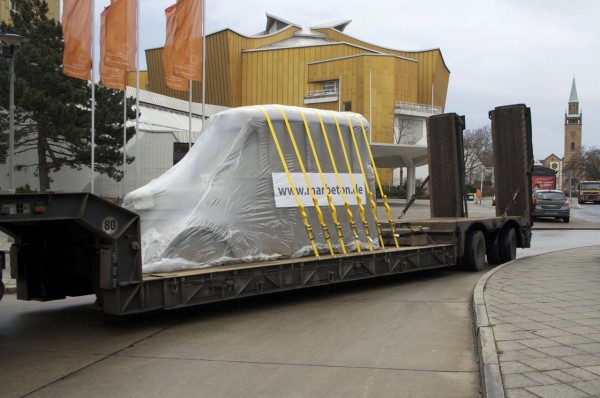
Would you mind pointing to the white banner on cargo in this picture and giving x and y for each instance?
(284, 195)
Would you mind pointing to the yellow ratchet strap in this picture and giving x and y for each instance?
(369, 193)
(309, 231)
(361, 209)
(384, 197)
(327, 194)
(306, 179)
(333, 210)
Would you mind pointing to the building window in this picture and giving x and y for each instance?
(329, 93)
(330, 85)
(180, 149)
(572, 146)
(14, 5)
(347, 106)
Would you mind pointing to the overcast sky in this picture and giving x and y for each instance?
(499, 52)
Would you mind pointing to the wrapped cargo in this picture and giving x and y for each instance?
(262, 183)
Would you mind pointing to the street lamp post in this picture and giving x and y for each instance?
(11, 40)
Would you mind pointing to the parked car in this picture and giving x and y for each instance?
(551, 203)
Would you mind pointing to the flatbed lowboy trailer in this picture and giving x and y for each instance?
(72, 244)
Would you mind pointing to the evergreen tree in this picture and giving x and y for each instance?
(53, 112)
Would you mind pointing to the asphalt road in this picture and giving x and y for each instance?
(402, 336)
(588, 211)
(408, 335)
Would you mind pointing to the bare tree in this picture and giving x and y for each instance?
(405, 131)
(478, 150)
(586, 163)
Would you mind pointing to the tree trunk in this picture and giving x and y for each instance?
(43, 164)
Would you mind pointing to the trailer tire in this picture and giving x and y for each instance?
(507, 245)
(2, 289)
(474, 256)
(491, 249)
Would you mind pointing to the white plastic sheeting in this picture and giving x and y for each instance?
(230, 198)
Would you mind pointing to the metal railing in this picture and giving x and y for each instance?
(409, 106)
(321, 93)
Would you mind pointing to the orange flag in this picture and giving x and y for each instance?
(110, 77)
(77, 33)
(187, 42)
(172, 81)
(121, 43)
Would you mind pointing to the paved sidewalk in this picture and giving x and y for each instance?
(538, 326)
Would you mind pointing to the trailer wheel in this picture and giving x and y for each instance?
(491, 249)
(2, 289)
(474, 256)
(507, 245)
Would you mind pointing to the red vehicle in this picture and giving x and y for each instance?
(589, 191)
(543, 178)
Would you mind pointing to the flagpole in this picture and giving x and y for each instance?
(339, 93)
(93, 130)
(137, 96)
(203, 61)
(124, 135)
(370, 108)
(190, 117)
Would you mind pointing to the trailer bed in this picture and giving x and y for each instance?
(192, 287)
(74, 244)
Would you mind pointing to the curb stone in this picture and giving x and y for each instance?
(491, 378)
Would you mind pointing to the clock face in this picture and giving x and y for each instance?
(572, 134)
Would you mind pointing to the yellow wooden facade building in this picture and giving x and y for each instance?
(8, 6)
(319, 67)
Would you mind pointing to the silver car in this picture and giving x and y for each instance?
(551, 203)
